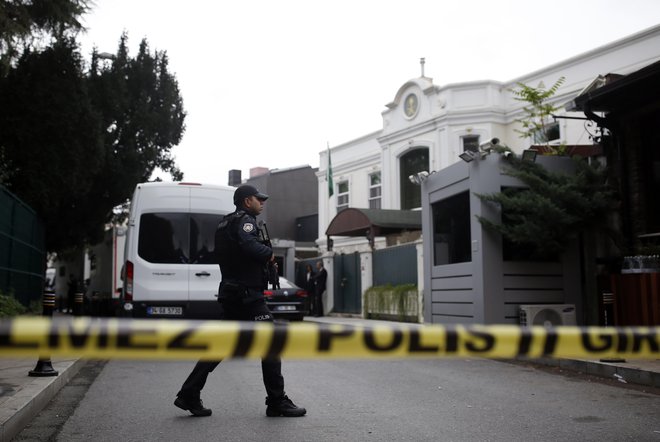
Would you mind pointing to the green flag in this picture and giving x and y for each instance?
(331, 186)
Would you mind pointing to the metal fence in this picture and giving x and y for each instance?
(22, 250)
(395, 265)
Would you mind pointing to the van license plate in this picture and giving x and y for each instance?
(172, 311)
(285, 307)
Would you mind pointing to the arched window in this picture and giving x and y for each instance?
(410, 163)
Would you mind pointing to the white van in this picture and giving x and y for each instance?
(170, 268)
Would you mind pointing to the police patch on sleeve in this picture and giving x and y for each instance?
(248, 227)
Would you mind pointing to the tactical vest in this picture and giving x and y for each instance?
(235, 265)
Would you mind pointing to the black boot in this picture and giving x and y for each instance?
(283, 406)
(195, 406)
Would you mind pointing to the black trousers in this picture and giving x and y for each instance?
(318, 303)
(271, 368)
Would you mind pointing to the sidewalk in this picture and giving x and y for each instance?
(23, 396)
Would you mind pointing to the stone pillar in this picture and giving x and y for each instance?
(366, 269)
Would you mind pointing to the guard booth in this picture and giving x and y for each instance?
(468, 278)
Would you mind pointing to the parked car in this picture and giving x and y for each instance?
(289, 301)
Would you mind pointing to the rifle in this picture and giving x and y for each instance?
(272, 276)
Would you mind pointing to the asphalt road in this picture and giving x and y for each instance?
(417, 400)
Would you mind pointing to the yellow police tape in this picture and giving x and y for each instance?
(180, 339)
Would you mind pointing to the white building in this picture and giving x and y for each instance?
(427, 126)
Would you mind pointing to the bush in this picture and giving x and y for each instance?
(10, 307)
(36, 307)
(397, 303)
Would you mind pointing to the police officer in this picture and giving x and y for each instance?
(243, 259)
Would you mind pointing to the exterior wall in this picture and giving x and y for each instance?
(352, 162)
(445, 114)
(292, 194)
(486, 108)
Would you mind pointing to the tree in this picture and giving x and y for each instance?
(52, 138)
(76, 143)
(143, 119)
(538, 111)
(26, 22)
(553, 208)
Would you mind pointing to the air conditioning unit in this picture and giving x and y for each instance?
(547, 315)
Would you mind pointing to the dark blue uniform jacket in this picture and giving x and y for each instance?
(242, 256)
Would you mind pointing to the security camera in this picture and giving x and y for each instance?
(488, 145)
(419, 177)
(507, 154)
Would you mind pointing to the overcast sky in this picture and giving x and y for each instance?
(271, 82)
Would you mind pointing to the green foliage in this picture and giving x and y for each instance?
(554, 208)
(398, 301)
(76, 141)
(26, 23)
(142, 115)
(36, 307)
(10, 307)
(538, 111)
(52, 139)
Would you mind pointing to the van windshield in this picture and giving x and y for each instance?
(178, 238)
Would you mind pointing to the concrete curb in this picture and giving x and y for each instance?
(632, 372)
(20, 409)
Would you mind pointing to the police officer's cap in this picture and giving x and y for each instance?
(246, 191)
